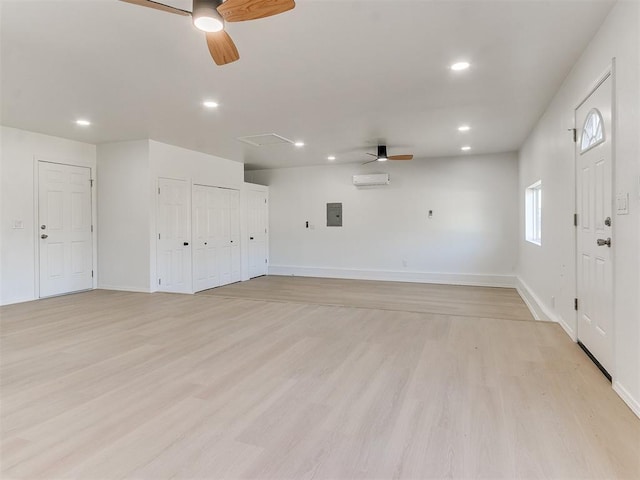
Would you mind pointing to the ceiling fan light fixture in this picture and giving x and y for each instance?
(206, 17)
(382, 153)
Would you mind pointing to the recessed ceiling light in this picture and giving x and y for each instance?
(210, 104)
(331, 158)
(460, 66)
(299, 144)
(83, 122)
(465, 148)
(464, 128)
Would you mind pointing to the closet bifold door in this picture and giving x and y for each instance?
(205, 243)
(216, 236)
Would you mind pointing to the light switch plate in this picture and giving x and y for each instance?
(622, 204)
(18, 224)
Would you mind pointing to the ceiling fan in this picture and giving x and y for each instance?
(210, 16)
(383, 157)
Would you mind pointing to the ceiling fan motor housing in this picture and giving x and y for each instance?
(382, 151)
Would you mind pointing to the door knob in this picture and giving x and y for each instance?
(602, 242)
(250, 238)
(44, 235)
(43, 227)
(186, 244)
(205, 243)
(607, 221)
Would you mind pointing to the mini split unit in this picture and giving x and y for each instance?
(371, 179)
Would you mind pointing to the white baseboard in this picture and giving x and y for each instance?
(17, 300)
(471, 279)
(124, 289)
(624, 394)
(539, 310)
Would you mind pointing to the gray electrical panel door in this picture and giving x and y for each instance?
(334, 214)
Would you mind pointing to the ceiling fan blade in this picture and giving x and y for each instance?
(400, 157)
(372, 154)
(370, 161)
(241, 10)
(158, 6)
(222, 48)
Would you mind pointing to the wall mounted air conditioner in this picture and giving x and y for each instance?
(371, 179)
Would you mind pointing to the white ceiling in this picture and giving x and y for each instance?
(340, 75)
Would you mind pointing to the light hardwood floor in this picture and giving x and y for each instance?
(110, 385)
(409, 297)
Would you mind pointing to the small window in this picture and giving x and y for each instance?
(592, 131)
(533, 213)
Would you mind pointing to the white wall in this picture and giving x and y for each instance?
(19, 151)
(168, 161)
(470, 239)
(129, 173)
(548, 154)
(124, 209)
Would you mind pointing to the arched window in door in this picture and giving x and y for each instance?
(592, 131)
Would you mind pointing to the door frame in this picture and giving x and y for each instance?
(609, 72)
(37, 159)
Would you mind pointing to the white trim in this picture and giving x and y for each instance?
(471, 279)
(601, 79)
(624, 394)
(124, 289)
(17, 300)
(539, 310)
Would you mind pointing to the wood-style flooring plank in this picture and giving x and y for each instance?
(116, 385)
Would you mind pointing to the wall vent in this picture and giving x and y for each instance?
(265, 140)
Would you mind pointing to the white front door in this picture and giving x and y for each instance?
(257, 216)
(64, 229)
(174, 236)
(595, 244)
(206, 208)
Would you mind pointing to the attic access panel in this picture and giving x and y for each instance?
(334, 214)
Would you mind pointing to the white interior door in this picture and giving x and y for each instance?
(223, 226)
(205, 209)
(257, 217)
(234, 234)
(64, 233)
(594, 231)
(173, 240)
